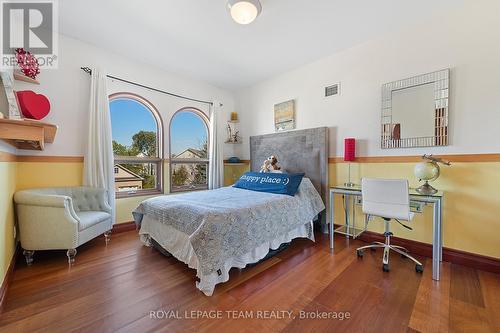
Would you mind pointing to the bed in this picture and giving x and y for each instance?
(213, 231)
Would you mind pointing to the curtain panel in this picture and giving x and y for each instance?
(98, 170)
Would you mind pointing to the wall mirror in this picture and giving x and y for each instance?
(415, 111)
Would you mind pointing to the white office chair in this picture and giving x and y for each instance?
(389, 199)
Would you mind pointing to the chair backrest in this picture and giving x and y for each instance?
(387, 198)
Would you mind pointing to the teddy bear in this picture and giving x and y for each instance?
(274, 163)
(266, 166)
(270, 165)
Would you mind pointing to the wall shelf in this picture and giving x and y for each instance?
(27, 133)
(19, 76)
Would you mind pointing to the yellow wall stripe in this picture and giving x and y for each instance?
(8, 157)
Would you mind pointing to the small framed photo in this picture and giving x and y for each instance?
(284, 116)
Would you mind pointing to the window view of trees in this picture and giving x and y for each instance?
(189, 157)
(135, 145)
(137, 142)
(191, 175)
(143, 145)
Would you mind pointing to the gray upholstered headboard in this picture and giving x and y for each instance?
(297, 151)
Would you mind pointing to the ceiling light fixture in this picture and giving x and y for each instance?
(244, 11)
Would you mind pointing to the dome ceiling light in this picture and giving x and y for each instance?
(244, 11)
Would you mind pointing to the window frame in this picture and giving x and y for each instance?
(172, 161)
(158, 160)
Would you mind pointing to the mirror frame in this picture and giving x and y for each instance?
(441, 81)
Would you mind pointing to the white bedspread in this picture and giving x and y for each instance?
(177, 244)
(230, 222)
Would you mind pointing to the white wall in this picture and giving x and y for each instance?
(68, 91)
(465, 40)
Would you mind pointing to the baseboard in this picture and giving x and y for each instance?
(123, 227)
(8, 277)
(454, 256)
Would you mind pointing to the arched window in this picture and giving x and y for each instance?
(137, 145)
(188, 150)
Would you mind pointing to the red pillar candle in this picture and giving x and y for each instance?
(349, 149)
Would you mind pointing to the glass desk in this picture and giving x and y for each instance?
(354, 192)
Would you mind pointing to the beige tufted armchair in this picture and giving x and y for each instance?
(61, 218)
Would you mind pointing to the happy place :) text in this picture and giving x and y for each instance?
(265, 179)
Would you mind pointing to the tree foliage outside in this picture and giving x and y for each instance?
(204, 148)
(200, 174)
(122, 150)
(180, 176)
(191, 175)
(143, 142)
(200, 170)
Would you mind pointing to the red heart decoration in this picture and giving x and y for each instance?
(33, 105)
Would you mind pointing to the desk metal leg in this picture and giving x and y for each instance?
(436, 241)
(347, 217)
(441, 232)
(331, 220)
(353, 199)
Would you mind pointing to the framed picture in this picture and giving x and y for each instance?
(8, 101)
(284, 116)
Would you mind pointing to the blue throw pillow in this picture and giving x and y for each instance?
(279, 183)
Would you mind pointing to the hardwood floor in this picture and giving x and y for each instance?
(115, 288)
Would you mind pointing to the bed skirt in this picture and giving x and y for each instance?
(177, 244)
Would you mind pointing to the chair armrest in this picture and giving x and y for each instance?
(29, 198)
(45, 200)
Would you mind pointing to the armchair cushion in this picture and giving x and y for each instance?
(91, 218)
(89, 199)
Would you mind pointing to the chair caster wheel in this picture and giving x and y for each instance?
(360, 253)
(385, 267)
(419, 268)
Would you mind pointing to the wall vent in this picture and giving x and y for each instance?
(332, 90)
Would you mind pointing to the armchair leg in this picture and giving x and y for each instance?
(71, 253)
(28, 254)
(107, 236)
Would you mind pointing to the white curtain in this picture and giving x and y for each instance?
(216, 162)
(98, 169)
